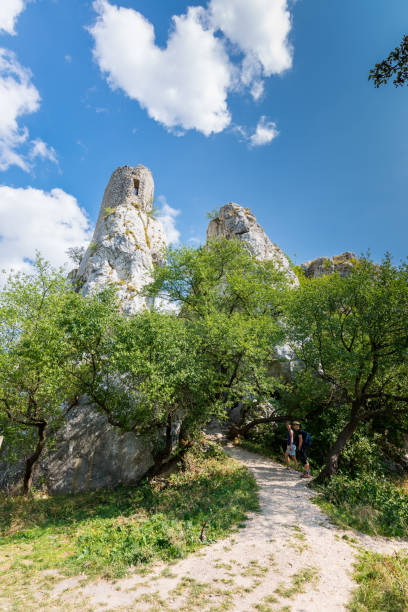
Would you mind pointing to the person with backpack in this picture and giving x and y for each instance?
(290, 446)
(303, 443)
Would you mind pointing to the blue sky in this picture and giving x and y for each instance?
(328, 173)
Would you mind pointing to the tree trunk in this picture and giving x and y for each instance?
(31, 461)
(163, 455)
(332, 458)
(236, 430)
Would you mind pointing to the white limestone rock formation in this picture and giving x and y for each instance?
(234, 221)
(127, 240)
(89, 452)
(328, 265)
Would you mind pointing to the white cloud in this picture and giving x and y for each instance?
(265, 132)
(32, 219)
(260, 28)
(9, 11)
(251, 76)
(167, 216)
(40, 149)
(18, 97)
(184, 85)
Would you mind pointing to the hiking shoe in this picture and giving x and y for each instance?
(305, 476)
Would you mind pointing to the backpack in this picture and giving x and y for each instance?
(308, 440)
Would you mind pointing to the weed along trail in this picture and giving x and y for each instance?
(288, 557)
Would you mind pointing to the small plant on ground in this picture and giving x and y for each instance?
(298, 582)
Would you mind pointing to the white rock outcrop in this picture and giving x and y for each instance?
(127, 240)
(234, 221)
(328, 265)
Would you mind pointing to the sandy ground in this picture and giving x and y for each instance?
(288, 557)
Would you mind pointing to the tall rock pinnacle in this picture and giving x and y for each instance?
(127, 239)
(234, 221)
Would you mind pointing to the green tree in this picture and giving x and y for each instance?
(34, 386)
(396, 65)
(353, 334)
(232, 304)
(145, 372)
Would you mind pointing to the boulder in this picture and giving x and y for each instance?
(89, 453)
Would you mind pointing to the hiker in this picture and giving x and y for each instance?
(303, 442)
(290, 446)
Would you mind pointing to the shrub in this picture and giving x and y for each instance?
(370, 503)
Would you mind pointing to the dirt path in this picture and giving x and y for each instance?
(288, 557)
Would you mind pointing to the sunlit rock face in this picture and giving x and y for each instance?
(127, 240)
(234, 221)
(328, 265)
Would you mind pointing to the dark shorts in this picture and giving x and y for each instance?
(303, 454)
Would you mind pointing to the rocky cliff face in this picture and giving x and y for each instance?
(328, 265)
(234, 221)
(127, 240)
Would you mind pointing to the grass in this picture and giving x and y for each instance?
(298, 582)
(104, 533)
(382, 583)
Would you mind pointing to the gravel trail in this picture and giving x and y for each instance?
(287, 557)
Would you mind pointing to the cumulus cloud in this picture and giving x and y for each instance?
(167, 216)
(183, 85)
(186, 84)
(18, 97)
(32, 219)
(264, 133)
(9, 11)
(260, 28)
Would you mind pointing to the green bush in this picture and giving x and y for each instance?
(370, 503)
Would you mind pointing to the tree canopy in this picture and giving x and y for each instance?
(352, 333)
(34, 384)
